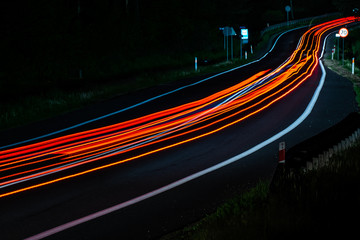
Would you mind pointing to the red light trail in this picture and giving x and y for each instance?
(27, 167)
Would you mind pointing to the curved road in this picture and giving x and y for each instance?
(28, 213)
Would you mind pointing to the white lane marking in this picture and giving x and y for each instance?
(143, 102)
(177, 183)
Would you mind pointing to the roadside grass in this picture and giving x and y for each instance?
(319, 203)
(352, 49)
(345, 71)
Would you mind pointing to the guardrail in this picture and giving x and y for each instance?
(324, 158)
(298, 21)
(317, 151)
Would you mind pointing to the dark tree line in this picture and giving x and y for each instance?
(48, 41)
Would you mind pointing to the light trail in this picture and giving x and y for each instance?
(24, 168)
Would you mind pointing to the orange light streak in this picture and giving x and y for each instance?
(233, 104)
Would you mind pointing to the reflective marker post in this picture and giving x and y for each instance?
(353, 66)
(282, 152)
(196, 64)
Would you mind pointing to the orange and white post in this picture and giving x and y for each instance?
(353, 66)
(282, 152)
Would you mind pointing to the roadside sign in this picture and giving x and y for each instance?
(244, 35)
(343, 32)
(229, 31)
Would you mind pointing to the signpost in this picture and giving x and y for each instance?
(343, 32)
(228, 31)
(337, 40)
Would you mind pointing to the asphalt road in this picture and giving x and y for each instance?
(29, 213)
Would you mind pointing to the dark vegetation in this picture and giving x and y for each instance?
(352, 50)
(321, 204)
(352, 44)
(57, 47)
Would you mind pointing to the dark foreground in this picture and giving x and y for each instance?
(322, 203)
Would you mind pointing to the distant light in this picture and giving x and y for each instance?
(337, 35)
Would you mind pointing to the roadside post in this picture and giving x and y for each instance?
(353, 66)
(196, 67)
(282, 152)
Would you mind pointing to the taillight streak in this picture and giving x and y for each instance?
(176, 124)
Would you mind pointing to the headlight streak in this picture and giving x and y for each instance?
(171, 127)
